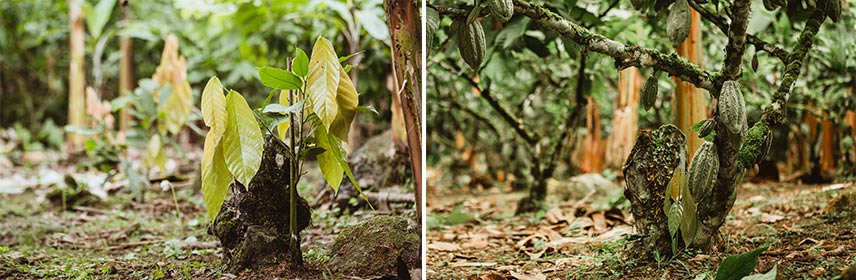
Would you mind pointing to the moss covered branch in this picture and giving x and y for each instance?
(753, 148)
(625, 55)
(736, 46)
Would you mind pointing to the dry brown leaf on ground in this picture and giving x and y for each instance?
(444, 246)
(476, 241)
(555, 216)
(523, 276)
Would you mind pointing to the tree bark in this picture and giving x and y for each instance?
(405, 38)
(647, 172)
(691, 106)
(76, 76)
(126, 77)
(253, 226)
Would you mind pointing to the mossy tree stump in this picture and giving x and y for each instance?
(253, 225)
(647, 172)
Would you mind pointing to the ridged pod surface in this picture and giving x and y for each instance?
(678, 23)
(502, 9)
(471, 43)
(649, 92)
(703, 170)
(732, 108)
(706, 128)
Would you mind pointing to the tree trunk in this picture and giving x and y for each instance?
(126, 77)
(593, 146)
(405, 37)
(647, 172)
(253, 225)
(76, 76)
(625, 120)
(690, 103)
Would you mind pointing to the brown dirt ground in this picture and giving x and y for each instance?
(576, 241)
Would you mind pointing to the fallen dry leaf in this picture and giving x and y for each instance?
(523, 276)
(443, 246)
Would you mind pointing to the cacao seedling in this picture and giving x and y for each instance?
(706, 128)
(471, 44)
(732, 108)
(502, 9)
(649, 92)
(678, 23)
(703, 170)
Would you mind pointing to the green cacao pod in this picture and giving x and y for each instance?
(638, 4)
(502, 9)
(678, 23)
(706, 128)
(471, 43)
(732, 108)
(770, 5)
(833, 9)
(649, 92)
(703, 170)
(432, 22)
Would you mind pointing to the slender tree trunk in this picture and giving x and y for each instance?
(76, 78)
(690, 103)
(405, 34)
(625, 120)
(126, 77)
(593, 153)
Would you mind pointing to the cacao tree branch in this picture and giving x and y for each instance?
(753, 147)
(721, 23)
(736, 46)
(625, 55)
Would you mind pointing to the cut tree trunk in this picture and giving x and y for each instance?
(253, 225)
(647, 173)
(76, 76)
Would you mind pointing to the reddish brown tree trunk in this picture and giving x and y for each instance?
(690, 103)
(76, 78)
(126, 77)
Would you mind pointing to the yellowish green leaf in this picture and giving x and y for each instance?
(215, 176)
(347, 100)
(282, 128)
(242, 142)
(323, 81)
(214, 109)
(328, 161)
(300, 66)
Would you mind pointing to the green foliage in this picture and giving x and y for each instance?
(739, 266)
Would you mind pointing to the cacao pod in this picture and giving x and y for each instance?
(678, 23)
(432, 21)
(755, 62)
(732, 108)
(833, 9)
(638, 4)
(649, 92)
(502, 9)
(769, 5)
(706, 128)
(703, 170)
(471, 43)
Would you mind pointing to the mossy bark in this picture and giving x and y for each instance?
(382, 247)
(253, 225)
(647, 172)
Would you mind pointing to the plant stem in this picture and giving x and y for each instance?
(297, 259)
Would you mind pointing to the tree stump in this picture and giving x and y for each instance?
(253, 225)
(647, 173)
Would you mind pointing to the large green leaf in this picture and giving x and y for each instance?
(738, 266)
(279, 79)
(215, 176)
(328, 161)
(323, 81)
(347, 100)
(242, 142)
(214, 109)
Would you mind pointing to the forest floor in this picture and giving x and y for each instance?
(474, 234)
(119, 237)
